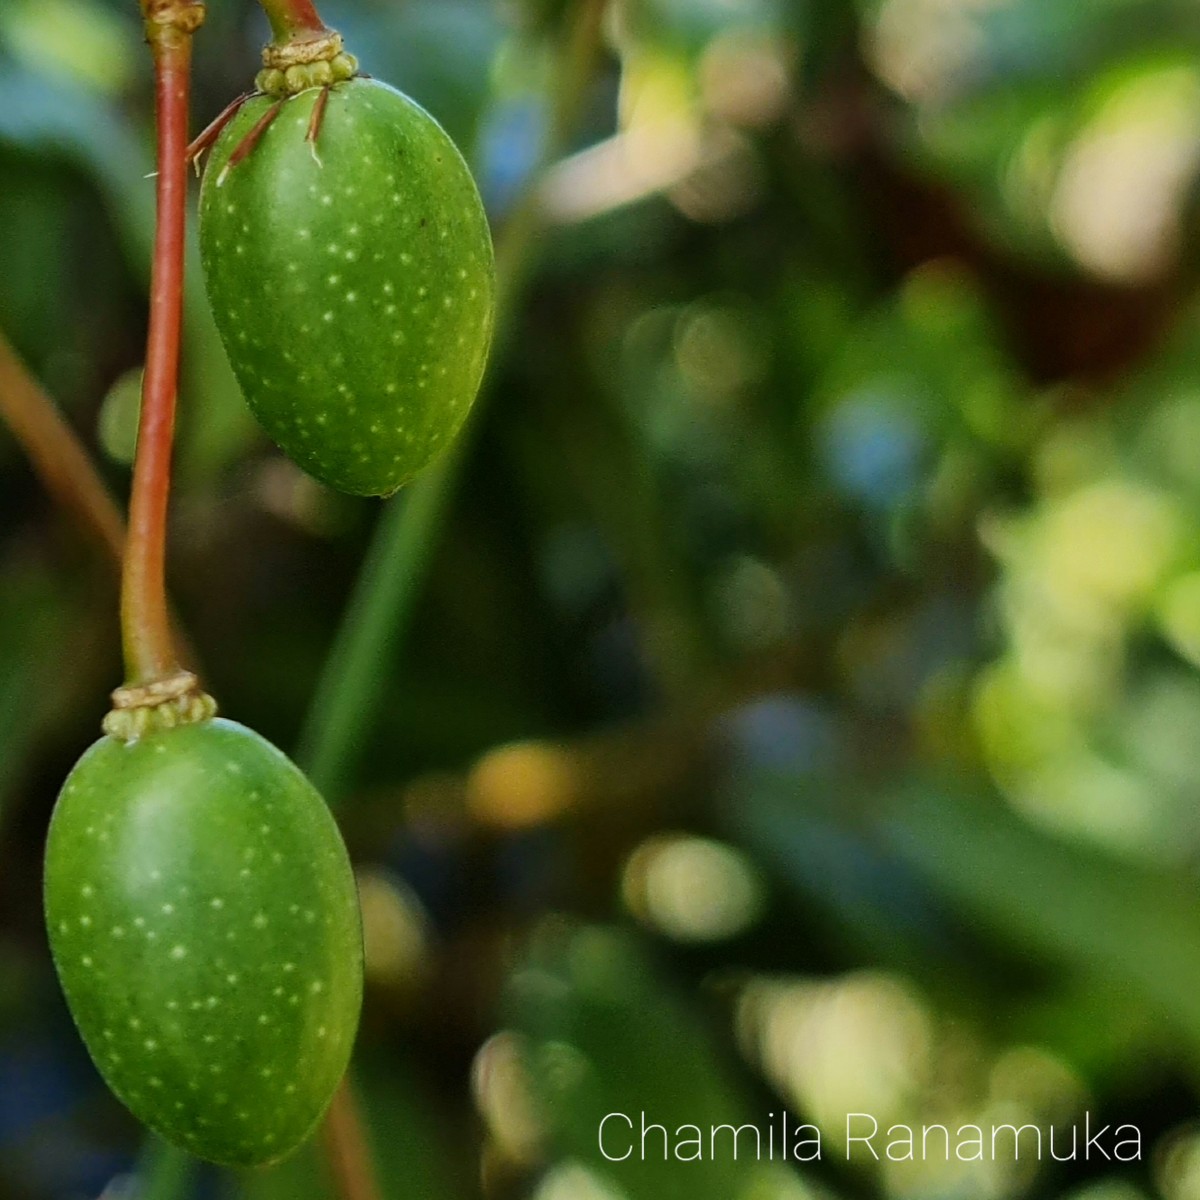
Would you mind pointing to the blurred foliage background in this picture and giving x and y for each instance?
(799, 701)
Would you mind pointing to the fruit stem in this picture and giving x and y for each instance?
(145, 626)
(294, 20)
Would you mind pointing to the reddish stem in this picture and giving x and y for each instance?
(346, 1151)
(293, 19)
(145, 626)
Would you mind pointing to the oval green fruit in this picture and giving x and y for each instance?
(205, 926)
(352, 281)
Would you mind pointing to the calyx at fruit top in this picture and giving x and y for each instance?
(301, 63)
(166, 703)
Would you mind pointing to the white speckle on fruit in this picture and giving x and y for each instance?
(351, 297)
(150, 1044)
(328, 317)
(327, 200)
(231, 979)
(168, 909)
(321, 1031)
(288, 967)
(118, 931)
(87, 891)
(178, 952)
(216, 902)
(85, 922)
(316, 987)
(260, 920)
(86, 960)
(263, 1019)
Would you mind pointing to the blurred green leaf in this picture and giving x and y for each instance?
(604, 1033)
(1055, 899)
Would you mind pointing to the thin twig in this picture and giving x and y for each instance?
(346, 1150)
(59, 457)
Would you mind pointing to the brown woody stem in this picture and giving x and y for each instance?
(56, 452)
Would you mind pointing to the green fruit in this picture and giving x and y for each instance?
(352, 281)
(205, 927)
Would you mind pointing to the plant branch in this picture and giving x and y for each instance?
(146, 634)
(57, 454)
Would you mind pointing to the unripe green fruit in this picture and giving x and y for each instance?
(352, 281)
(205, 927)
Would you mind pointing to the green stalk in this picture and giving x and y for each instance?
(164, 1173)
(337, 725)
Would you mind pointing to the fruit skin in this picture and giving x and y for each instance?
(353, 283)
(205, 926)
